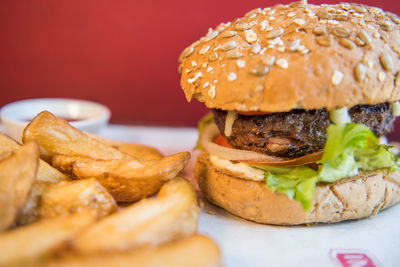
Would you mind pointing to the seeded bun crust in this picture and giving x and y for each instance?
(348, 199)
(296, 56)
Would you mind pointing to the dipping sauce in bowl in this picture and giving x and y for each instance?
(84, 115)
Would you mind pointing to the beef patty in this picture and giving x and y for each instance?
(298, 132)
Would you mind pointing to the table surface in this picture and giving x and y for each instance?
(244, 243)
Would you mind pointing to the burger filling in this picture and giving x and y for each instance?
(298, 132)
(286, 145)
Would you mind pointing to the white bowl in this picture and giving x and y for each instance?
(84, 115)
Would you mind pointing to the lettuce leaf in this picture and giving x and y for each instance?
(349, 148)
(286, 180)
(347, 136)
(354, 148)
(206, 120)
(381, 157)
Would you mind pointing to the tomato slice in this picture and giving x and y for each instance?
(222, 141)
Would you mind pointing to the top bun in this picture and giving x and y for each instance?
(297, 56)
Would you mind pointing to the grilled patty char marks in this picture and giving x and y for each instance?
(298, 132)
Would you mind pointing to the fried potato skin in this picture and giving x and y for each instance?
(45, 173)
(82, 156)
(22, 246)
(49, 199)
(194, 251)
(56, 137)
(61, 199)
(138, 151)
(7, 146)
(17, 175)
(31, 210)
(173, 214)
(126, 180)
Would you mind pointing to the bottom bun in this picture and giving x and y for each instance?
(353, 198)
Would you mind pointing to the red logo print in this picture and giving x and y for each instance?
(351, 258)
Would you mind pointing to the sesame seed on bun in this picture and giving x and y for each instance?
(297, 56)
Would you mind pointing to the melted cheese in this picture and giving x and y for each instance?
(241, 169)
(230, 119)
(396, 109)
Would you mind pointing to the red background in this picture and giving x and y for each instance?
(117, 52)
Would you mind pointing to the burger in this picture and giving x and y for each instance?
(301, 97)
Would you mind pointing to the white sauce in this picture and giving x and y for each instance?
(230, 119)
(242, 169)
(340, 116)
(396, 109)
(382, 140)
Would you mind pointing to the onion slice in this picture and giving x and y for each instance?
(250, 157)
(303, 160)
(207, 140)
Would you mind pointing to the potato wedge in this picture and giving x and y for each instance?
(75, 196)
(141, 152)
(82, 156)
(17, 174)
(30, 212)
(126, 180)
(56, 137)
(48, 199)
(194, 251)
(45, 173)
(26, 244)
(171, 215)
(7, 146)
